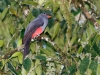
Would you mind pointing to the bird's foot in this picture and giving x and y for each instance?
(35, 38)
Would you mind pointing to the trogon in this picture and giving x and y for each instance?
(34, 29)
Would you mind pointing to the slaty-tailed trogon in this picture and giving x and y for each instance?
(34, 28)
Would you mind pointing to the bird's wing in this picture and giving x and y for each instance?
(32, 27)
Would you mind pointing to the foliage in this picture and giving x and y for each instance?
(71, 44)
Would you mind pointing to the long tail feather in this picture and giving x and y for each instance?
(26, 46)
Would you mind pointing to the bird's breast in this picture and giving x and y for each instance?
(37, 32)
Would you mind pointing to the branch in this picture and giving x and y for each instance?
(16, 33)
(10, 40)
(90, 17)
(52, 43)
(13, 51)
(61, 53)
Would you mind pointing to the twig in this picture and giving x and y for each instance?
(33, 69)
(12, 52)
(52, 43)
(61, 53)
(10, 40)
(90, 17)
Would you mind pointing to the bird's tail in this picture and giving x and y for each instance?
(26, 43)
(26, 49)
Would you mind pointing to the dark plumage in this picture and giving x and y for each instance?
(40, 22)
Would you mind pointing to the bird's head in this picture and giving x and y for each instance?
(45, 15)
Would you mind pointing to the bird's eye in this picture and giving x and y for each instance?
(44, 13)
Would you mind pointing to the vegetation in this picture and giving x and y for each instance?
(70, 44)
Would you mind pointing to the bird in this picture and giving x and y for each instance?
(34, 29)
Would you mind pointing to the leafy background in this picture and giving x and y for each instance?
(70, 44)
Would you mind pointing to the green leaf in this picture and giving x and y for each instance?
(59, 16)
(89, 72)
(12, 29)
(19, 42)
(19, 55)
(78, 73)
(84, 37)
(33, 47)
(58, 68)
(23, 71)
(4, 13)
(41, 57)
(98, 69)
(84, 65)
(80, 49)
(47, 3)
(1, 43)
(76, 12)
(73, 40)
(48, 51)
(60, 41)
(92, 28)
(39, 68)
(88, 31)
(20, 58)
(32, 71)
(72, 69)
(98, 41)
(31, 3)
(2, 5)
(97, 5)
(41, 2)
(56, 29)
(28, 19)
(13, 11)
(11, 67)
(16, 54)
(27, 64)
(1, 64)
(93, 66)
(55, 6)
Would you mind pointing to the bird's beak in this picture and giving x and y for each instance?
(48, 16)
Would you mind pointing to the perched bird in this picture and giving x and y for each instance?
(34, 29)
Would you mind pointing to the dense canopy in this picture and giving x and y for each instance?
(70, 44)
